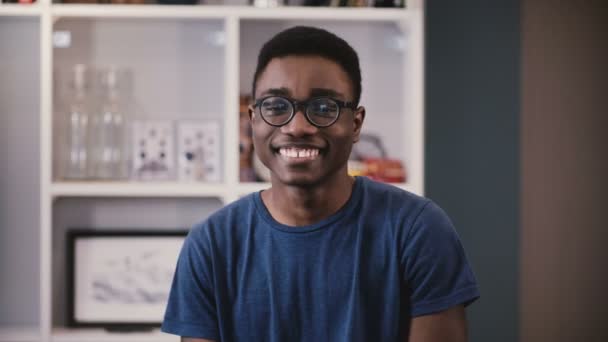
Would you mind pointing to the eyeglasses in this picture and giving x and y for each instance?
(319, 111)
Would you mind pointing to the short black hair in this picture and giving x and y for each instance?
(311, 41)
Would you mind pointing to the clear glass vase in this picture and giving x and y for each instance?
(75, 121)
(110, 152)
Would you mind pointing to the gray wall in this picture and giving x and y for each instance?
(472, 165)
(19, 171)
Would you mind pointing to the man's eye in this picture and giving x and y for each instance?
(275, 108)
(324, 109)
(278, 106)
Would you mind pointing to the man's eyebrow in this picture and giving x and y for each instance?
(316, 92)
(276, 91)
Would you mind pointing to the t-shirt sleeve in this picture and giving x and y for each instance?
(191, 309)
(435, 265)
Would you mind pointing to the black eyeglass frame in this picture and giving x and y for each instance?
(295, 105)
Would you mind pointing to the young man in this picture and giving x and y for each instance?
(320, 256)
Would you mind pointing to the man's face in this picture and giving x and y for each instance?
(300, 153)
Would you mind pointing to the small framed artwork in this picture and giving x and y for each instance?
(120, 279)
(153, 150)
(198, 150)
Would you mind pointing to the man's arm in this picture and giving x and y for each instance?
(192, 339)
(445, 326)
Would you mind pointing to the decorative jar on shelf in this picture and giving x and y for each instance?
(75, 125)
(109, 125)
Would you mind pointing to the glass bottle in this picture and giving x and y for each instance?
(76, 124)
(110, 154)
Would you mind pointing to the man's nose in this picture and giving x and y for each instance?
(299, 125)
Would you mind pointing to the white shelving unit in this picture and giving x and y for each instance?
(14, 10)
(188, 62)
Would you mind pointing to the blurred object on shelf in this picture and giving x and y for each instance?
(356, 168)
(19, 1)
(351, 3)
(246, 173)
(114, 2)
(368, 158)
(251, 169)
(153, 150)
(368, 146)
(81, 2)
(178, 2)
(127, 2)
(320, 3)
(198, 150)
(198, 153)
(385, 170)
(388, 3)
(355, 3)
(109, 152)
(254, 3)
(74, 116)
(94, 109)
(262, 173)
(269, 3)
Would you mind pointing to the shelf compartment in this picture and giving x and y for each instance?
(176, 67)
(115, 214)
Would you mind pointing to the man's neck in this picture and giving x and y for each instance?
(302, 206)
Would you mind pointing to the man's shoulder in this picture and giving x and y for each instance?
(232, 213)
(388, 195)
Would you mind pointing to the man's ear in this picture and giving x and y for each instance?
(251, 112)
(358, 118)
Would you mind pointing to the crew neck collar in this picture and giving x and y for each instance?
(345, 210)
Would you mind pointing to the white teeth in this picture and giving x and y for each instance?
(299, 152)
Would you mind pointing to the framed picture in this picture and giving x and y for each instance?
(120, 279)
(153, 150)
(198, 150)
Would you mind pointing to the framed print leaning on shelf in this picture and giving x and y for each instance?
(153, 150)
(118, 278)
(198, 150)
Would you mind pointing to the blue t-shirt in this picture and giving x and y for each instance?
(359, 275)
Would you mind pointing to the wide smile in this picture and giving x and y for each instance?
(298, 154)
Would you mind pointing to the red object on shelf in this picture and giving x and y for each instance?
(385, 170)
